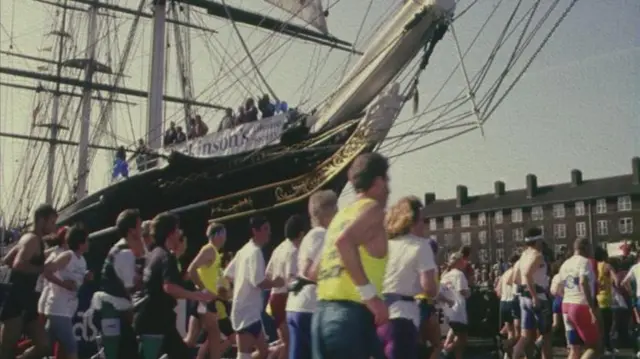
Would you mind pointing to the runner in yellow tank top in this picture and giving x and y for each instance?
(205, 271)
(351, 269)
(606, 281)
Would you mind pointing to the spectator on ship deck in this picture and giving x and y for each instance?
(200, 127)
(227, 121)
(142, 155)
(242, 116)
(120, 165)
(170, 135)
(180, 135)
(191, 129)
(266, 107)
(251, 112)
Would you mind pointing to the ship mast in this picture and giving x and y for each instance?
(90, 66)
(54, 126)
(156, 77)
(155, 95)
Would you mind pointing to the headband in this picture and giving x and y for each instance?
(534, 238)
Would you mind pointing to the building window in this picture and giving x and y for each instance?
(500, 253)
(483, 255)
(499, 236)
(465, 238)
(448, 222)
(498, 217)
(559, 230)
(624, 203)
(579, 207)
(518, 234)
(581, 229)
(516, 215)
(465, 220)
(482, 237)
(602, 227)
(558, 210)
(482, 219)
(433, 224)
(625, 225)
(601, 206)
(537, 213)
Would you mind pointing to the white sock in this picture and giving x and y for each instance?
(243, 356)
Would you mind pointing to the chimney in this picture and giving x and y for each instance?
(635, 165)
(532, 185)
(576, 178)
(429, 198)
(461, 195)
(499, 188)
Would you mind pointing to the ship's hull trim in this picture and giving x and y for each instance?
(272, 196)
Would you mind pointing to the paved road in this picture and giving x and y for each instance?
(558, 353)
(623, 354)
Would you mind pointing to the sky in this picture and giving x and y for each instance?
(576, 106)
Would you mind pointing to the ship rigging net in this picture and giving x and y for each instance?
(207, 70)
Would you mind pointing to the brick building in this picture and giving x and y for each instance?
(602, 210)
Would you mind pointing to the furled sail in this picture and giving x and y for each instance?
(309, 11)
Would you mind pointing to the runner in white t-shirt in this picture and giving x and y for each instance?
(284, 264)
(65, 273)
(248, 272)
(633, 275)
(411, 270)
(455, 288)
(301, 303)
(579, 306)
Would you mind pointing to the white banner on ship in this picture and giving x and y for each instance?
(243, 138)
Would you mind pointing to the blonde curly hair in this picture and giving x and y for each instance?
(402, 216)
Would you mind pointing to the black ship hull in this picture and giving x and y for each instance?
(188, 181)
(277, 185)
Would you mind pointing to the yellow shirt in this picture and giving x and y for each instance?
(210, 274)
(334, 283)
(605, 295)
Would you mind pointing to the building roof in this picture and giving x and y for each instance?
(557, 193)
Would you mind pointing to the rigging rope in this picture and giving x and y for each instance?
(248, 53)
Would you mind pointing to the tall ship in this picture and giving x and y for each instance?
(203, 57)
(255, 166)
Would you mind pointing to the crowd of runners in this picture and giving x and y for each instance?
(356, 282)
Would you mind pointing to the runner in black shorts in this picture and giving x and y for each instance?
(155, 319)
(20, 308)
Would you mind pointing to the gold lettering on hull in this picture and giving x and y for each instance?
(244, 204)
(326, 171)
(295, 189)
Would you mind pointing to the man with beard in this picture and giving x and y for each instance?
(20, 309)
